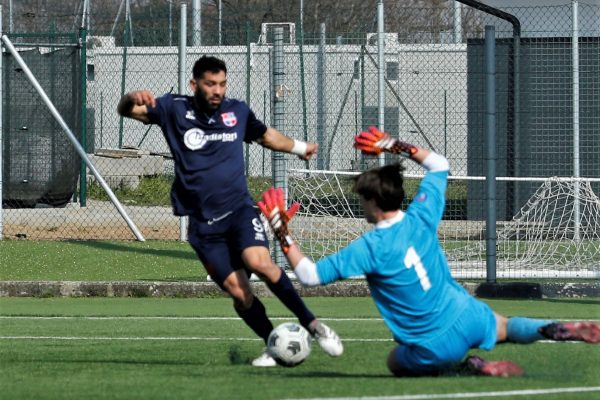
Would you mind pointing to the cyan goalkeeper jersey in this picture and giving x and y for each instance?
(405, 267)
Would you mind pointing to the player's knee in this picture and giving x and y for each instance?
(262, 267)
(241, 294)
(242, 300)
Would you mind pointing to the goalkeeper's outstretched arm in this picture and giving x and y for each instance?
(374, 142)
(273, 208)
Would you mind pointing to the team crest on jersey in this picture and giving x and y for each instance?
(190, 114)
(229, 119)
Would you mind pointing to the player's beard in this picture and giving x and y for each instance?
(202, 102)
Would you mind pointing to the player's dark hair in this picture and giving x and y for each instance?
(383, 184)
(208, 63)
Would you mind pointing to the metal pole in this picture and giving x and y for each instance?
(83, 93)
(220, 21)
(576, 161)
(11, 27)
(321, 100)
(302, 79)
(457, 22)
(71, 137)
(278, 120)
(182, 84)
(381, 72)
(112, 31)
(128, 20)
(170, 22)
(196, 23)
(491, 156)
(1, 126)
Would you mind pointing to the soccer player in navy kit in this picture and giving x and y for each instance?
(433, 319)
(205, 134)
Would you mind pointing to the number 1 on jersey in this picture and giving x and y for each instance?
(412, 258)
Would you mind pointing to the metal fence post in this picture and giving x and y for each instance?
(576, 161)
(321, 124)
(196, 23)
(381, 73)
(278, 120)
(83, 93)
(491, 156)
(182, 74)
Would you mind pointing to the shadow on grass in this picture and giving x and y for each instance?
(111, 246)
(571, 300)
(195, 278)
(325, 374)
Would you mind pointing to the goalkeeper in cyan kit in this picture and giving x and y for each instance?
(434, 320)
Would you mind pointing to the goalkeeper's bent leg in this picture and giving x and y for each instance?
(525, 330)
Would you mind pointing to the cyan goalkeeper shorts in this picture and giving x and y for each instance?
(474, 328)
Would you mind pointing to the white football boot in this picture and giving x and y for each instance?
(328, 340)
(264, 360)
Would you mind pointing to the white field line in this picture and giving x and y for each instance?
(468, 395)
(200, 338)
(133, 317)
(167, 338)
(34, 317)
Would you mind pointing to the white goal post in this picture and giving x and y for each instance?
(266, 32)
(555, 233)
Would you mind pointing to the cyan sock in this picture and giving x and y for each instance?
(525, 330)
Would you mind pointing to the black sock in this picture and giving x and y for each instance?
(256, 318)
(285, 292)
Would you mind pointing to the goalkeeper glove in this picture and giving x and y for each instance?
(374, 142)
(273, 208)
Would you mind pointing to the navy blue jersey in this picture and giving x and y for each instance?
(208, 153)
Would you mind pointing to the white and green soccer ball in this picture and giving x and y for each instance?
(289, 344)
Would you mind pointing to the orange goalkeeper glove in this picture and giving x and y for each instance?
(273, 208)
(374, 142)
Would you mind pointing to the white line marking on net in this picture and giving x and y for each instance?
(466, 395)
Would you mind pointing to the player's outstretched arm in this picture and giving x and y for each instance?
(275, 140)
(374, 142)
(134, 105)
(273, 208)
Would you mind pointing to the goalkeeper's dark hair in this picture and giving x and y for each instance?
(383, 184)
(208, 63)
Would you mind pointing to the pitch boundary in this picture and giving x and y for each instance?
(201, 338)
(467, 395)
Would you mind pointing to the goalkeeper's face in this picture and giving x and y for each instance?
(209, 90)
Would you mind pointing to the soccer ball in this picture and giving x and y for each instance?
(289, 344)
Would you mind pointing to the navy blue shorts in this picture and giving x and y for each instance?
(474, 328)
(219, 242)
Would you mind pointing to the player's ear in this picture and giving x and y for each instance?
(193, 85)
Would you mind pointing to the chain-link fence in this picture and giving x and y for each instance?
(434, 96)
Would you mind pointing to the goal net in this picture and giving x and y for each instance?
(555, 234)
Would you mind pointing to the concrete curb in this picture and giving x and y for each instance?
(209, 289)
